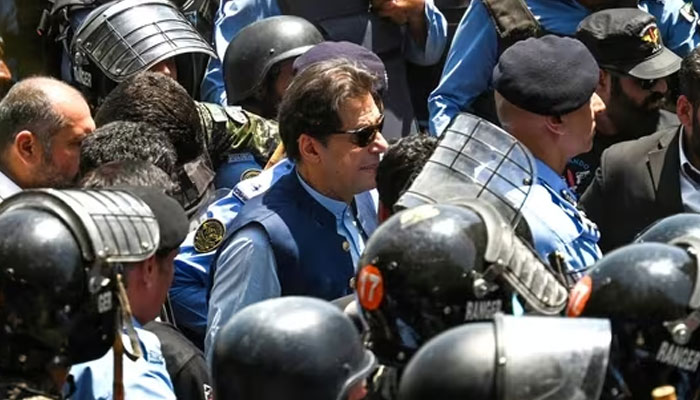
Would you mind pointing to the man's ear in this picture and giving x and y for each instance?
(309, 149)
(684, 111)
(604, 81)
(150, 271)
(604, 88)
(555, 125)
(27, 147)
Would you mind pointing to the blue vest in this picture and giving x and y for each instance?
(311, 257)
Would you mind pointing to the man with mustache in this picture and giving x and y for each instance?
(653, 177)
(634, 67)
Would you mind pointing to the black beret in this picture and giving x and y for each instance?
(550, 75)
(171, 218)
(354, 52)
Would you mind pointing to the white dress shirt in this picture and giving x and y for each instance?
(690, 188)
(7, 187)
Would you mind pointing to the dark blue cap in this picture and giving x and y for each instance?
(354, 52)
(550, 75)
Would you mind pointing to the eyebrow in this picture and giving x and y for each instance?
(375, 122)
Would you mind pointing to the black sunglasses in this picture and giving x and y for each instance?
(645, 84)
(362, 137)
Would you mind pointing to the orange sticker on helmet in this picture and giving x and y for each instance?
(579, 296)
(370, 287)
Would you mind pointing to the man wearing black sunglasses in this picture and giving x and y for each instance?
(305, 234)
(634, 67)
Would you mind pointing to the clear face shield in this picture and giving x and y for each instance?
(126, 37)
(553, 358)
(475, 159)
(480, 166)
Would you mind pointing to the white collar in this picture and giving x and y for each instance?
(7, 187)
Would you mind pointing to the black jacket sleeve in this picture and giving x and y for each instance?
(185, 363)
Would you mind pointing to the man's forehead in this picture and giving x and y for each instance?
(71, 106)
(363, 104)
(361, 110)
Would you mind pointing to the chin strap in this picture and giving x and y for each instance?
(125, 324)
(509, 258)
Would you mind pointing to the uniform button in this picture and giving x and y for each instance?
(346, 246)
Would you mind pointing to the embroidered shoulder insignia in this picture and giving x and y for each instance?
(209, 235)
(250, 173)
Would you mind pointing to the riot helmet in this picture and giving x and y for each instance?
(258, 47)
(433, 267)
(43, 285)
(519, 358)
(59, 289)
(667, 229)
(124, 37)
(294, 348)
(650, 293)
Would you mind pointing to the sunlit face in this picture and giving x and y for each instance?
(580, 127)
(61, 161)
(633, 106)
(166, 67)
(349, 168)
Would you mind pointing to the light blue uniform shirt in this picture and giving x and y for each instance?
(234, 15)
(145, 378)
(557, 225)
(246, 270)
(474, 52)
(189, 291)
(346, 223)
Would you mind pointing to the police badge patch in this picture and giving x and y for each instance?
(651, 35)
(209, 235)
(250, 173)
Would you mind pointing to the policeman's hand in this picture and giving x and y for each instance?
(400, 11)
(5, 75)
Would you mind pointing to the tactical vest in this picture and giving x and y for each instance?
(312, 258)
(513, 22)
(230, 129)
(352, 21)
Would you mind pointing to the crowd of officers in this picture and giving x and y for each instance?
(346, 200)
